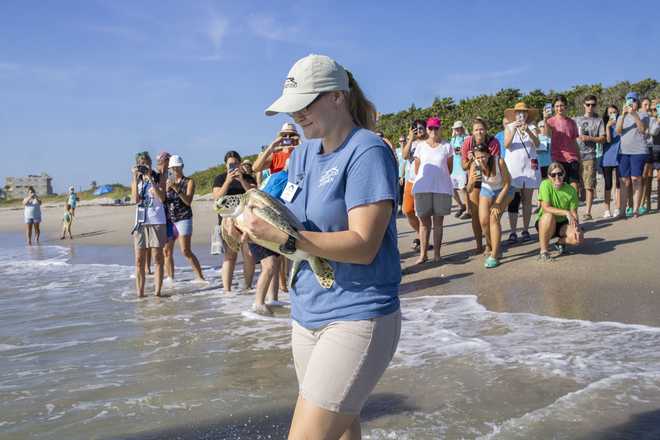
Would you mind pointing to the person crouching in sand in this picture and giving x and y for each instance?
(558, 214)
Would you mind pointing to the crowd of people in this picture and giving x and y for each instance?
(347, 184)
(551, 153)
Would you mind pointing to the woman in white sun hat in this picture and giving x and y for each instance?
(342, 186)
(458, 174)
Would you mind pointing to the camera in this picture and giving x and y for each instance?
(287, 142)
(142, 169)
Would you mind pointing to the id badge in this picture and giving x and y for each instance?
(290, 191)
(141, 215)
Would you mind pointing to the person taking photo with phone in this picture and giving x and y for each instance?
(632, 126)
(233, 182)
(592, 132)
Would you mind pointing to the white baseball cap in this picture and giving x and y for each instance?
(175, 161)
(308, 78)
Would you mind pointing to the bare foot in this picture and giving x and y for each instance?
(421, 260)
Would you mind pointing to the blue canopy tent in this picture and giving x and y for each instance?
(103, 189)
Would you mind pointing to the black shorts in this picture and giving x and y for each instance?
(572, 171)
(260, 252)
(558, 226)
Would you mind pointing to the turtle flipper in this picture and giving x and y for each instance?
(324, 273)
(231, 242)
(295, 266)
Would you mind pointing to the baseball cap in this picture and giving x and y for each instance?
(175, 161)
(457, 124)
(307, 79)
(163, 155)
(632, 95)
(433, 122)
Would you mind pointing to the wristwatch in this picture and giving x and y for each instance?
(289, 247)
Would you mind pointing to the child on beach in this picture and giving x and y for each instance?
(67, 219)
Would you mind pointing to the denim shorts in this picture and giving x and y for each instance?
(632, 165)
(184, 227)
(492, 194)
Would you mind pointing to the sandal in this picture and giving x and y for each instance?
(415, 244)
(465, 216)
(587, 217)
(491, 263)
(544, 257)
(460, 212)
(525, 236)
(513, 238)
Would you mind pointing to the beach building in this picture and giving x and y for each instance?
(16, 187)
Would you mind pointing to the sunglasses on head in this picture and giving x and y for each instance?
(557, 174)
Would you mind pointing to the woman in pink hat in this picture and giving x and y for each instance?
(433, 188)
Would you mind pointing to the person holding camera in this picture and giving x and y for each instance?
(180, 194)
(522, 162)
(592, 132)
(478, 138)
(495, 194)
(233, 182)
(558, 215)
(274, 157)
(632, 126)
(609, 162)
(433, 187)
(32, 215)
(416, 134)
(654, 132)
(150, 231)
(458, 174)
(563, 134)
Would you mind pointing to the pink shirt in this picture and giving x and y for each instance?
(564, 133)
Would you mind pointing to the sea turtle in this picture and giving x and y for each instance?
(276, 214)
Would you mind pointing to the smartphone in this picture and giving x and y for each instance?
(657, 109)
(547, 108)
(232, 167)
(629, 102)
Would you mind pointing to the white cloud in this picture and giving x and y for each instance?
(215, 32)
(266, 26)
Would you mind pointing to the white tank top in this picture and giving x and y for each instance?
(495, 181)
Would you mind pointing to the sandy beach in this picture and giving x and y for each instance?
(612, 277)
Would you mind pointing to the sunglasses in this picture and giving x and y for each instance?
(556, 175)
(289, 136)
(590, 104)
(433, 128)
(305, 110)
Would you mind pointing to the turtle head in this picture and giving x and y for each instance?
(229, 206)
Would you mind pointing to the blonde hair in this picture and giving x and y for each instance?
(555, 165)
(362, 110)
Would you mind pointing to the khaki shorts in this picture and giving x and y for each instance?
(428, 204)
(150, 236)
(339, 364)
(588, 173)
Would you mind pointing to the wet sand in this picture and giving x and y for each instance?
(614, 276)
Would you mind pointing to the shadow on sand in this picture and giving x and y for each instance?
(273, 425)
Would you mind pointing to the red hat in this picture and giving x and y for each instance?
(433, 122)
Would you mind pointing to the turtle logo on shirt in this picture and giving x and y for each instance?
(328, 176)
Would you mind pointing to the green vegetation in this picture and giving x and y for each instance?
(491, 107)
(204, 179)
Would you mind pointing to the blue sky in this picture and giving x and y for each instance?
(86, 84)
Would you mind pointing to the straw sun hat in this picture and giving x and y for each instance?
(532, 113)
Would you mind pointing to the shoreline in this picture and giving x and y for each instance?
(612, 277)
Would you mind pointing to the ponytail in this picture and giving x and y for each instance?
(362, 110)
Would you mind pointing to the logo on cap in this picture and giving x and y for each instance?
(290, 83)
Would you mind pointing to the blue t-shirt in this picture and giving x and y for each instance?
(543, 153)
(610, 157)
(275, 183)
(500, 138)
(360, 172)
